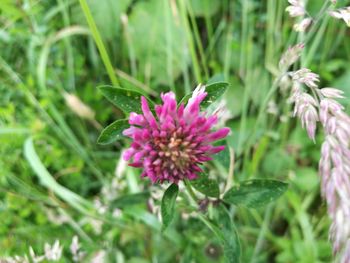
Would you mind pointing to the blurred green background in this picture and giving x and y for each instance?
(47, 50)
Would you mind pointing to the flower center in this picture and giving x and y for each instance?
(173, 151)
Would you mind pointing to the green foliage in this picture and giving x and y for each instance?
(69, 179)
(130, 200)
(46, 179)
(232, 246)
(206, 186)
(113, 132)
(205, 7)
(225, 231)
(158, 38)
(106, 15)
(255, 193)
(126, 99)
(168, 205)
(214, 92)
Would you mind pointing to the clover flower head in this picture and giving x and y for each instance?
(172, 145)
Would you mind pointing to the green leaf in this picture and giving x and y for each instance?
(225, 231)
(49, 182)
(113, 132)
(255, 193)
(168, 204)
(206, 186)
(162, 53)
(231, 244)
(223, 157)
(214, 90)
(130, 200)
(234, 96)
(127, 100)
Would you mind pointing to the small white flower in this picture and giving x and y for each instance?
(296, 8)
(117, 213)
(36, 259)
(75, 246)
(15, 259)
(100, 207)
(121, 166)
(75, 250)
(303, 25)
(220, 110)
(342, 13)
(200, 89)
(99, 257)
(53, 252)
(272, 108)
(96, 225)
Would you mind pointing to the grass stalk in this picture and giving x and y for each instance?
(198, 40)
(98, 40)
(186, 24)
(68, 44)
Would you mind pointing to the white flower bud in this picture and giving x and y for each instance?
(296, 8)
(303, 25)
(342, 13)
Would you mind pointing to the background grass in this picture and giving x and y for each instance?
(52, 169)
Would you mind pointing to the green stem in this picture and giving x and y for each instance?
(260, 241)
(316, 42)
(68, 44)
(316, 21)
(169, 49)
(98, 40)
(245, 70)
(190, 191)
(263, 106)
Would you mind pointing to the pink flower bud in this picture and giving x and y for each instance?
(332, 93)
(305, 76)
(290, 56)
